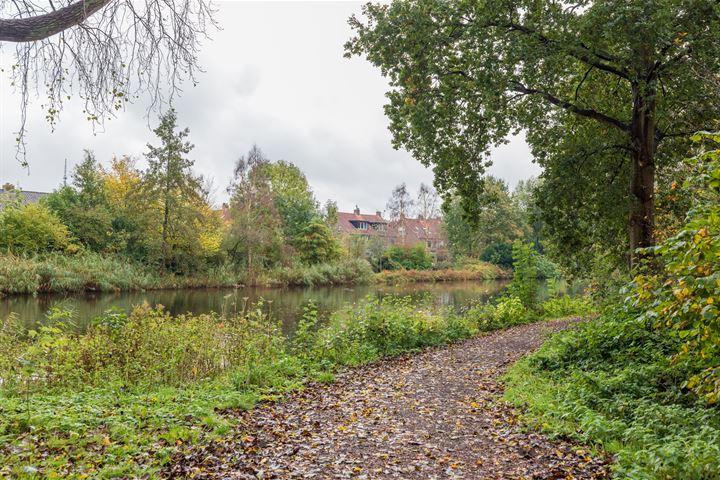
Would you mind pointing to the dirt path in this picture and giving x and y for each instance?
(433, 415)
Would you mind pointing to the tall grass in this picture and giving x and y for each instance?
(53, 273)
(344, 272)
(479, 271)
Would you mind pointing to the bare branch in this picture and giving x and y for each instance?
(106, 52)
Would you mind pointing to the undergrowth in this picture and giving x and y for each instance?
(118, 399)
(611, 382)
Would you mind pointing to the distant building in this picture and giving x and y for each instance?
(8, 194)
(405, 231)
(411, 231)
(364, 225)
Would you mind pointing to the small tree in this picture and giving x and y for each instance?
(170, 183)
(83, 207)
(317, 244)
(255, 235)
(524, 284)
(427, 202)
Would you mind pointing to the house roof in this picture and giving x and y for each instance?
(28, 196)
(345, 219)
(410, 231)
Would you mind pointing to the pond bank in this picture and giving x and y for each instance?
(90, 272)
(120, 400)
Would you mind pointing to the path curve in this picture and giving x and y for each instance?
(432, 415)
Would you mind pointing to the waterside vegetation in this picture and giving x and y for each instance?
(120, 398)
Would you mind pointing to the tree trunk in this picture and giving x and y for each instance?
(642, 186)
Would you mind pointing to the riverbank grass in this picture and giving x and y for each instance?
(60, 273)
(121, 398)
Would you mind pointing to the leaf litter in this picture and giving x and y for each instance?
(437, 414)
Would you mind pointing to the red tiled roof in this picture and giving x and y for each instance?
(409, 231)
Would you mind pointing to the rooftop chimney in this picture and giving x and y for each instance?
(378, 213)
(357, 210)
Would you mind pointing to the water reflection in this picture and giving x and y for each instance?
(285, 304)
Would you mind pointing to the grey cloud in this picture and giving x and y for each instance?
(275, 76)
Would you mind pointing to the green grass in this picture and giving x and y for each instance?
(611, 383)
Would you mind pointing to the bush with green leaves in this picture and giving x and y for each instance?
(546, 268)
(682, 299)
(31, 228)
(499, 254)
(317, 244)
(405, 257)
(558, 306)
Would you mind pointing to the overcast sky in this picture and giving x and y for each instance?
(275, 75)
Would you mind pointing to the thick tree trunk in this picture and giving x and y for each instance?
(642, 186)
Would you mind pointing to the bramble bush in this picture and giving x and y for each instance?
(682, 299)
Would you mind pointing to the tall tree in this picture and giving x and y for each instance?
(83, 206)
(613, 83)
(293, 197)
(170, 181)
(427, 202)
(400, 204)
(105, 51)
(255, 234)
(496, 219)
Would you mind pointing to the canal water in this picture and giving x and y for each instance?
(285, 304)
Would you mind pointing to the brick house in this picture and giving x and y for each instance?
(406, 231)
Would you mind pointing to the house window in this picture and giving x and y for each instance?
(360, 225)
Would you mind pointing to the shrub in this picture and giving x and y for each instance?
(409, 258)
(31, 228)
(499, 254)
(546, 268)
(508, 311)
(317, 244)
(566, 305)
(681, 300)
(344, 272)
(524, 284)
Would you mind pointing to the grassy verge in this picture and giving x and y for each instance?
(55, 273)
(117, 400)
(611, 383)
(481, 271)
